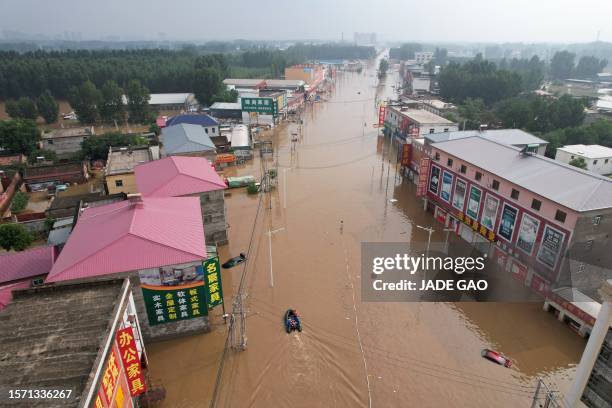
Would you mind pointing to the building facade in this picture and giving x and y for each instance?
(67, 141)
(119, 170)
(598, 159)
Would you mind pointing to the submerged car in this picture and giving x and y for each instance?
(496, 357)
(292, 321)
(237, 260)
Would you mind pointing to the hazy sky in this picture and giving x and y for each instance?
(422, 20)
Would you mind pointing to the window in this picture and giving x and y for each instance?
(431, 130)
(594, 162)
(118, 183)
(606, 162)
(560, 216)
(437, 156)
(449, 162)
(572, 157)
(446, 129)
(495, 185)
(478, 176)
(514, 194)
(50, 141)
(206, 130)
(597, 220)
(213, 129)
(463, 169)
(589, 245)
(536, 204)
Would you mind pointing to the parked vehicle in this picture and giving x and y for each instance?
(292, 321)
(234, 261)
(496, 357)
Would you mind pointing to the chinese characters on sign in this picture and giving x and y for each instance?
(131, 361)
(381, 115)
(423, 175)
(109, 378)
(266, 106)
(552, 241)
(213, 282)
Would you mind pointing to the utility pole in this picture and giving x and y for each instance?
(430, 231)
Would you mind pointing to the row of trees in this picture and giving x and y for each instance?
(563, 66)
(28, 108)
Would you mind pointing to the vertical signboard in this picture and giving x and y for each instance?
(474, 203)
(406, 154)
(174, 293)
(489, 212)
(131, 362)
(506, 225)
(527, 233)
(552, 241)
(459, 197)
(214, 290)
(423, 174)
(447, 186)
(434, 179)
(381, 115)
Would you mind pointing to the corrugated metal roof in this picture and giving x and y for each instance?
(185, 138)
(506, 136)
(201, 120)
(25, 264)
(569, 186)
(177, 176)
(127, 236)
(589, 151)
(226, 105)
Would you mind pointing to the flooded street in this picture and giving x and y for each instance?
(351, 354)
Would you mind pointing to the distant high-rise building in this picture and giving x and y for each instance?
(365, 38)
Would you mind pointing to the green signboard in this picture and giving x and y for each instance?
(214, 290)
(172, 294)
(264, 106)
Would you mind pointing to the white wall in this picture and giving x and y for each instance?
(598, 165)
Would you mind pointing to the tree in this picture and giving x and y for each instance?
(207, 83)
(14, 236)
(23, 108)
(19, 135)
(85, 100)
(96, 147)
(405, 51)
(154, 128)
(474, 113)
(589, 67)
(227, 95)
(47, 107)
(578, 162)
(20, 202)
(562, 65)
(137, 101)
(49, 155)
(383, 67)
(112, 107)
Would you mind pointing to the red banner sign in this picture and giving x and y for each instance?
(131, 361)
(381, 115)
(406, 155)
(423, 177)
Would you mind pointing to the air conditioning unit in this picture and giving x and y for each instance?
(38, 282)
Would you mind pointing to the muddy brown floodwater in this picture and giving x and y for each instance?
(351, 354)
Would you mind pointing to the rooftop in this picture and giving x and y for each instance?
(588, 151)
(422, 116)
(52, 170)
(177, 176)
(185, 138)
(167, 98)
(127, 236)
(567, 185)
(123, 159)
(69, 132)
(284, 83)
(251, 83)
(51, 336)
(226, 105)
(511, 137)
(201, 120)
(26, 264)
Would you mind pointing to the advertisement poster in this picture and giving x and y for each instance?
(489, 213)
(459, 197)
(447, 186)
(474, 203)
(214, 290)
(174, 293)
(434, 180)
(131, 361)
(528, 233)
(508, 219)
(552, 241)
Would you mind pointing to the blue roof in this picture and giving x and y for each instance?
(202, 120)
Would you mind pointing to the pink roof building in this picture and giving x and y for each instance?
(177, 176)
(132, 235)
(15, 266)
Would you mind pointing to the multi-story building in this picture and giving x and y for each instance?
(404, 123)
(598, 159)
(423, 57)
(511, 137)
(547, 222)
(119, 171)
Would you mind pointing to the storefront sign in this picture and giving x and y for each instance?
(474, 203)
(447, 186)
(552, 241)
(131, 362)
(423, 173)
(264, 106)
(434, 179)
(406, 154)
(508, 219)
(381, 115)
(110, 376)
(225, 158)
(214, 290)
(489, 212)
(459, 197)
(528, 232)
(172, 293)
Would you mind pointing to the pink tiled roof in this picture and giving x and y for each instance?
(25, 264)
(6, 292)
(176, 176)
(127, 236)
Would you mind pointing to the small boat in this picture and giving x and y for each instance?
(234, 261)
(292, 321)
(496, 357)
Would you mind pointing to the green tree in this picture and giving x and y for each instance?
(474, 113)
(589, 67)
(23, 108)
(207, 83)
(405, 51)
(578, 162)
(47, 107)
(562, 65)
(20, 202)
(112, 107)
(85, 100)
(137, 101)
(96, 147)
(383, 67)
(227, 95)
(19, 135)
(15, 236)
(154, 128)
(47, 154)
